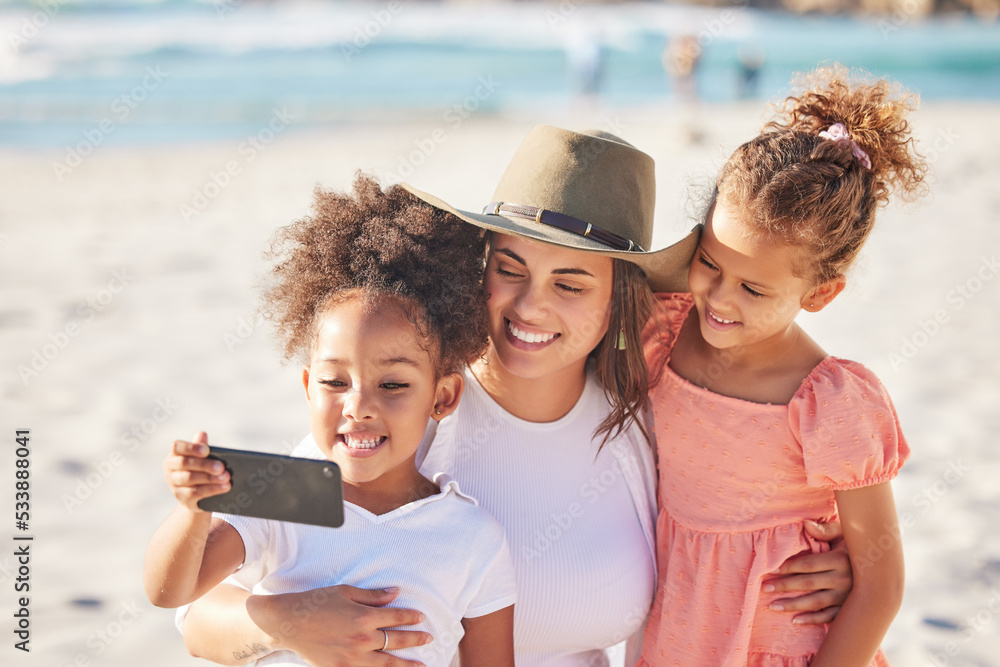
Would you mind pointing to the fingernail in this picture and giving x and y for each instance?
(428, 639)
(777, 607)
(797, 621)
(391, 589)
(768, 588)
(221, 478)
(422, 617)
(216, 467)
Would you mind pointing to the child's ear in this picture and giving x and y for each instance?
(449, 390)
(820, 296)
(305, 380)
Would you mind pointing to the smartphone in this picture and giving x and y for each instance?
(283, 488)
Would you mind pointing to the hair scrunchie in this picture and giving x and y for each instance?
(838, 132)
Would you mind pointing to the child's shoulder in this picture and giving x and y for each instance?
(847, 425)
(843, 379)
(660, 331)
(671, 308)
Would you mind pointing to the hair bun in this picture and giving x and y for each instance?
(873, 112)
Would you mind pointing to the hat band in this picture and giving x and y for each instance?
(561, 221)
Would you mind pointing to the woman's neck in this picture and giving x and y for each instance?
(538, 399)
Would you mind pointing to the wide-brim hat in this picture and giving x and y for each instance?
(590, 191)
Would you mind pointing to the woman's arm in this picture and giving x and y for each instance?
(871, 531)
(488, 640)
(336, 626)
(823, 580)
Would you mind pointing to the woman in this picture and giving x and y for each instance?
(549, 435)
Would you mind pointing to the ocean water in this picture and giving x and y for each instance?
(190, 70)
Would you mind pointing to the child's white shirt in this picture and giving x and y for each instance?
(448, 556)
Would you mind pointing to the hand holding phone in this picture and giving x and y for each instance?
(191, 475)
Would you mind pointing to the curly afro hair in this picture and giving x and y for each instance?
(381, 244)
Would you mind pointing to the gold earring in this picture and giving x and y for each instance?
(620, 344)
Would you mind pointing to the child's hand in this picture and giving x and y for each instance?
(191, 476)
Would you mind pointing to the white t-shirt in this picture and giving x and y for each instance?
(447, 555)
(579, 522)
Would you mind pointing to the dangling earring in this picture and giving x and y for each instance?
(620, 344)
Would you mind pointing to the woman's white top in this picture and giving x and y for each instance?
(579, 521)
(447, 556)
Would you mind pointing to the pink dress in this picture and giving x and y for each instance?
(736, 481)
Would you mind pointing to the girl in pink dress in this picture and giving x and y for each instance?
(757, 428)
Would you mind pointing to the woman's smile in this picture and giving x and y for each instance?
(524, 337)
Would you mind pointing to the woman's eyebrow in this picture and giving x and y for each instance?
(517, 258)
(510, 253)
(575, 272)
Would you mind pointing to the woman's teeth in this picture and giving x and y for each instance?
(719, 319)
(365, 442)
(529, 337)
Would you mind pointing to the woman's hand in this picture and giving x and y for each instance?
(335, 626)
(305, 622)
(823, 579)
(191, 475)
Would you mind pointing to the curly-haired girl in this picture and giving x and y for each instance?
(357, 294)
(758, 428)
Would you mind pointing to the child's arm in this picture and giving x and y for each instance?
(488, 640)
(190, 552)
(869, 519)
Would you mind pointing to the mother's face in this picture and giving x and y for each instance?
(548, 305)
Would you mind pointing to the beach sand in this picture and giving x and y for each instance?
(125, 324)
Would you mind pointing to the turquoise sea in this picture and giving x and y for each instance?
(186, 70)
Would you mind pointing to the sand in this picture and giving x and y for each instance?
(126, 321)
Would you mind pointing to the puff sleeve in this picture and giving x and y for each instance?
(849, 432)
(660, 331)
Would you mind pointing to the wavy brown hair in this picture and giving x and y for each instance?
(792, 185)
(388, 246)
(623, 374)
